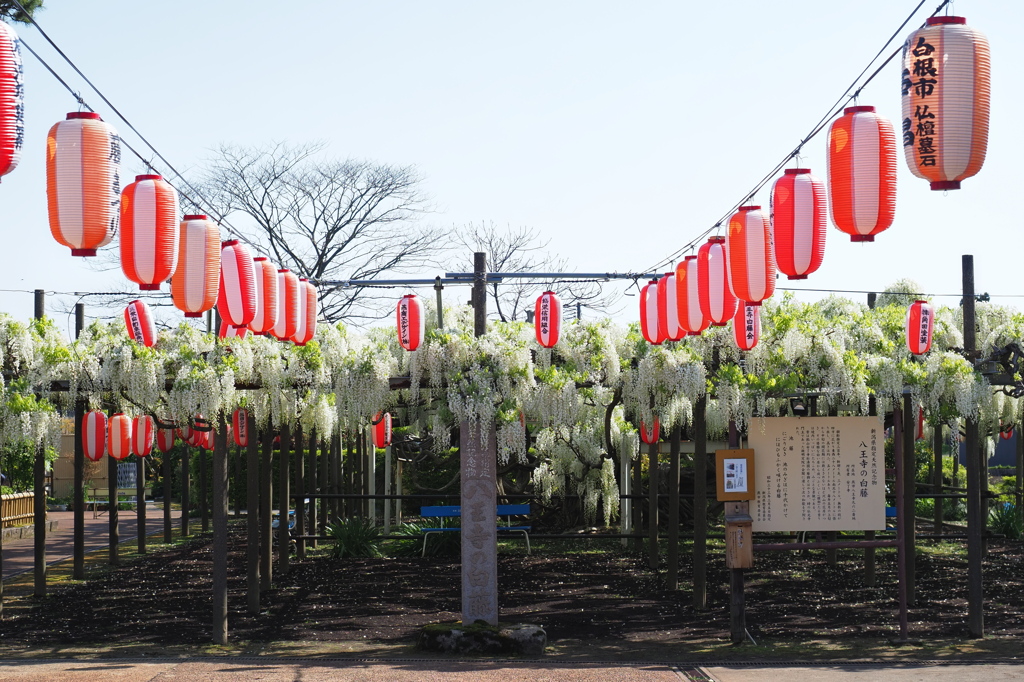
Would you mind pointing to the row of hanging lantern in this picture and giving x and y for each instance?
(120, 435)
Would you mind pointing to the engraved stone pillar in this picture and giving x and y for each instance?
(479, 526)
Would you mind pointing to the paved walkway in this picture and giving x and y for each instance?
(19, 555)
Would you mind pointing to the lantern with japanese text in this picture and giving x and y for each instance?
(946, 89)
(143, 434)
(194, 284)
(410, 322)
(236, 301)
(119, 436)
(287, 305)
(230, 331)
(668, 307)
(798, 222)
(83, 182)
(12, 100)
(165, 439)
(94, 435)
(382, 430)
(748, 248)
(547, 319)
(919, 323)
(139, 322)
(149, 234)
(862, 173)
(651, 325)
(265, 280)
(306, 329)
(694, 321)
(240, 427)
(746, 326)
(650, 434)
(716, 299)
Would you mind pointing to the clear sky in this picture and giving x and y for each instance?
(618, 130)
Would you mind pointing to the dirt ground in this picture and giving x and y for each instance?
(611, 597)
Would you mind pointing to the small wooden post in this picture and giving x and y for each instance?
(283, 504)
(252, 516)
(140, 502)
(673, 509)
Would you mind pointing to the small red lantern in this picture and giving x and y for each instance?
(143, 429)
(266, 296)
(798, 222)
(650, 435)
(862, 173)
(236, 300)
(651, 325)
(748, 244)
(410, 322)
(139, 322)
(382, 430)
(119, 436)
(668, 307)
(919, 324)
(94, 435)
(12, 100)
(240, 427)
(1007, 434)
(287, 305)
(149, 231)
(165, 439)
(746, 326)
(716, 299)
(306, 329)
(547, 319)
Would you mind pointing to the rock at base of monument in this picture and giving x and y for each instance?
(481, 638)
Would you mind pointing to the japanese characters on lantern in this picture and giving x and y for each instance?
(547, 319)
(12, 100)
(717, 302)
(945, 86)
(410, 322)
(862, 173)
(139, 321)
(919, 323)
(195, 281)
(149, 234)
(382, 430)
(751, 257)
(798, 222)
(240, 427)
(746, 326)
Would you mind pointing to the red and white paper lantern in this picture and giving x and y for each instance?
(12, 100)
(547, 319)
(236, 300)
(119, 436)
(746, 326)
(94, 435)
(691, 317)
(165, 439)
(306, 329)
(798, 222)
(920, 323)
(287, 305)
(143, 435)
(265, 280)
(149, 231)
(230, 331)
(862, 173)
(650, 434)
(139, 321)
(716, 299)
(208, 439)
(240, 427)
(382, 430)
(668, 307)
(651, 325)
(194, 285)
(410, 322)
(748, 245)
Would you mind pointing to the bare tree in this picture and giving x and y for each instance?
(523, 250)
(324, 219)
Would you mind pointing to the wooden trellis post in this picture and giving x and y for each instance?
(252, 519)
(220, 533)
(700, 504)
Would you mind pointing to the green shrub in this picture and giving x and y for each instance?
(1005, 519)
(354, 537)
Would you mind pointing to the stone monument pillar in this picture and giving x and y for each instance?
(479, 525)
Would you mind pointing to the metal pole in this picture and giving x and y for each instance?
(479, 293)
(140, 502)
(700, 504)
(266, 505)
(78, 552)
(438, 288)
(909, 495)
(673, 509)
(220, 533)
(252, 515)
(975, 520)
(284, 485)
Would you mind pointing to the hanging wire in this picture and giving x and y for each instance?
(833, 111)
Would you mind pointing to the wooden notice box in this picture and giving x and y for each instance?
(739, 542)
(734, 477)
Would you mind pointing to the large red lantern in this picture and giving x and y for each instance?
(748, 245)
(149, 231)
(650, 434)
(668, 307)
(651, 325)
(287, 305)
(306, 329)
(410, 322)
(165, 439)
(12, 100)
(119, 436)
(919, 323)
(945, 101)
(862, 173)
(194, 284)
(83, 182)
(746, 326)
(798, 222)
(143, 434)
(236, 301)
(139, 322)
(240, 427)
(691, 317)
(266, 296)
(716, 299)
(382, 430)
(94, 435)
(547, 319)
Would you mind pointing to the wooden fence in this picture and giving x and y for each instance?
(16, 510)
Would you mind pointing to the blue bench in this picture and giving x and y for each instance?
(505, 524)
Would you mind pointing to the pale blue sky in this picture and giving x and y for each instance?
(618, 130)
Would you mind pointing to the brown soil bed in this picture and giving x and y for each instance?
(164, 599)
